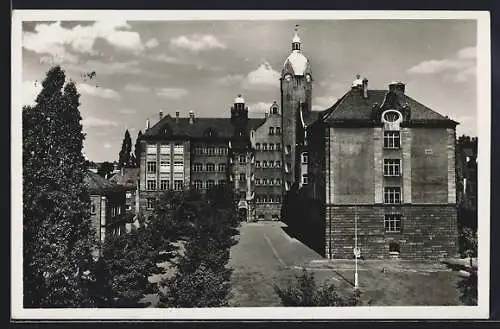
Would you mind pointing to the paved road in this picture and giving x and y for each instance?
(265, 255)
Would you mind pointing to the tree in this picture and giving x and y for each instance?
(137, 150)
(105, 169)
(125, 152)
(57, 236)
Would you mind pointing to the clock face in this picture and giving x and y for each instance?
(308, 78)
(391, 116)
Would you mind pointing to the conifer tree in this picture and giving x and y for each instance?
(137, 149)
(57, 236)
(125, 152)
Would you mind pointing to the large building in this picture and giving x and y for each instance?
(377, 159)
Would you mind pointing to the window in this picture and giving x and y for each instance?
(271, 147)
(287, 167)
(211, 150)
(392, 167)
(151, 149)
(242, 159)
(222, 182)
(151, 185)
(392, 140)
(150, 203)
(197, 167)
(164, 184)
(243, 177)
(304, 157)
(257, 181)
(278, 131)
(151, 167)
(198, 184)
(277, 199)
(277, 164)
(128, 195)
(271, 181)
(392, 194)
(304, 179)
(210, 166)
(271, 130)
(222, 167)
(288, 149)
(210, 183)
(164, 165)
(278, 181)
(257, 146)
(278, 147)
(198, 150)
(270, 199)
(257, 164)
(264, 164)
(178, 148)
(264, 147)
(392, 222)
(178, 184)
(264, 181)
(92, 209)
(222, 150)
(165, 149)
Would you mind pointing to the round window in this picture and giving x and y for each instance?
(391, 116)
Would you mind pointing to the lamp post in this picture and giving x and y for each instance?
(356, 249)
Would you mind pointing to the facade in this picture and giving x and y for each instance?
(107, 201)
(129, 179)
(385, 163)
(466, 158)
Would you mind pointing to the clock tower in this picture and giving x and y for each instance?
(296, 89)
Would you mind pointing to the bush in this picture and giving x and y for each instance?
(305, 292)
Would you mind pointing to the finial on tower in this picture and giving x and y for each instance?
(296, 39)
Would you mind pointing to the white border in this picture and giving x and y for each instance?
(318, 313)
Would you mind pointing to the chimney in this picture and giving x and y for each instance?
(147, 124)
(365, 88)
(161, 115)
(191, 117)
(177, 116)
(397, 87)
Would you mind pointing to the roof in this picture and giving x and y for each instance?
(298, 61)
(99, 185)
(126, 177)
(352, 106)
(201, 127)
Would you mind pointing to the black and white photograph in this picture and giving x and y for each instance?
(250, 165)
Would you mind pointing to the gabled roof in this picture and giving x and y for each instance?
(352, 106)
(97, 184)
(201, 127)
(126, 177)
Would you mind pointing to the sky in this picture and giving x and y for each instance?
(150, 66)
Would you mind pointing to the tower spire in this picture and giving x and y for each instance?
(296, 39)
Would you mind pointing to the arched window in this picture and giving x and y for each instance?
(271, 130)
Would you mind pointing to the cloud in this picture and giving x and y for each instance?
(152, 43)
(229, 80)
(97, 122)
(107, 145)
(460, 68)
(322, 103)
(60, 44)
(86, 89)
(263, 77)
(106, 68)
(259, 107)
(197, 42)
(135, 88)
(30, 91)
(172, 93)
(127, 111)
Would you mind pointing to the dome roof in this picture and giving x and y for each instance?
(239, 100)
(298, 61)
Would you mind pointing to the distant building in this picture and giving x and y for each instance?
(129, 179)
(107, 200)
(383, 158)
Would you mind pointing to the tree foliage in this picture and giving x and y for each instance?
(137, 150)
(105, 169)
(125, 156)
(305, 292)
(57, 236)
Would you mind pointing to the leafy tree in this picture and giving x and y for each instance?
(57, 236)
(137, 150)
(305, 292)
(105, 169)
(125, 152)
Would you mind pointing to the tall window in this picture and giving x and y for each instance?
(92, 209)
(222, 150)
(392, 194)
(278, 131)
(277, 164)
(392, 140)
(257, 164)
(264, 147)
(164, 184)
(257, 146)
(222, 167)
(271, 130)
(151, 167)
(211, 150)
(305, 179)
(304, 157)
(197, 167)
(243, 178)
(271, 147)
(271, 181)
(288, 149)
(257, 181)
(392, 222)
(277, 199)
(198, 184)
(278, 181)
(151, 185)
(278, 147)
(264, 164)
(242, 159)
(210, 166)
(264, 181)
(178, 184)
(150, 203)
(210, 183)
(198, 150)
(392, 167)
